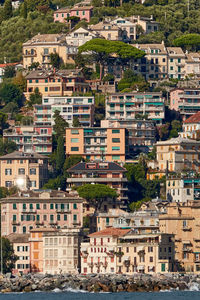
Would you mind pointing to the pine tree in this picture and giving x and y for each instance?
(60, 124)
(7, 10)
(60, 155)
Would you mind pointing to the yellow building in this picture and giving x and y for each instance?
(183, 220)
(24, 170)
(178, 154)
(40, 47)
(96, 143)
(56, 83)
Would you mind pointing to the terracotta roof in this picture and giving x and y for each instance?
(193, 119)
(110, 232)
(175, 51)
(62, 10)
(9, 64)
(48, 73)
(46, 38)
(22, 155)
(81, 8)
(18, 238)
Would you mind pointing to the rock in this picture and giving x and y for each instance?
(8, 290)
(27, 289)
(104, 287)
(33, 287)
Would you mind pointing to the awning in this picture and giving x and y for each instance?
(140, 267)
(140, 248)
(186, 242)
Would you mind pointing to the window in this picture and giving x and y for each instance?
(46, 89)
(51, 206)
(73, 140)
(32, 171)
(46, 51)
(38, 205)
(89, 100)
(171, 68)
(171, 59)
(115, 148)
(115, 131)
(8, 184)
(14, 218)
(21, 171)
(46, 100)
(30, 80)
(14, 206)
(51, 217)
(8, 171)
(14, 229)
(115, 140)
(24, 229)
(9, 161)
(74, 218)
(83, 13)
(33, 183)
(65, 217)
(58, 217)
(75, 206)
(74, 148)
(151, 259)
(116, 157)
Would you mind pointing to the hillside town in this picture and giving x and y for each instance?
(100, 145)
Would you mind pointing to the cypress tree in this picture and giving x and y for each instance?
(7, 10)
(60, 155)
(23, 10)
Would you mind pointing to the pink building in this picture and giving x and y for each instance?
(175, 98)
(34, 138)
(84, 12)
(40, 209)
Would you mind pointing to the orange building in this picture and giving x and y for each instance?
(97, 143)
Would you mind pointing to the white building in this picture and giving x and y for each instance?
(80, 36)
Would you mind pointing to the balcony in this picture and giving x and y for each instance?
(39, 223)
(186, 249)
(30, 54)
(76, 223)
(15, 223)
(95, 179)
(53, 223)
(29, 211)
(186, 228)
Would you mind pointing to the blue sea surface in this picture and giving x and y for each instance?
(177, 295)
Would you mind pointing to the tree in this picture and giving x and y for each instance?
(188, 41)
(71, 161)
(7, 147)
(3, 122)
(76, 122)
(60, 155)
(32, 5)
(96, 194)
(9, 72)
(7, 10)
(24, 10)
(10, 92)
(55, 60)
(20, 81)
(56, 183)
(100, 50)
(60, 124)
(35, 98)
(9, 258)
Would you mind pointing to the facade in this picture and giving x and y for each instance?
(80, 36)
(36, 248)
(178, 154)
(182, 220)
(109, 31)
(191, 127)
(109, 173)
(185, 101)
(83, 12)
(124, 251)
(24, 170)
(94, 143)
(155, 63)
(31, 138)
(20, 243)
(141, 133)
(128, 105)
(61, 251)
(69, 108)
(182, 188)
(98, 256)
(192, 64)
(40, 47)
(176, 62)
(56, 83)
(30, 210)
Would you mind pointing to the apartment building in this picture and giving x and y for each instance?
(36, 248)
(178, 154)
(182, 220)
(141, 133)
(41, 46)
(182, 188)
(191, 127)
(109, 173)
(130, 25)
(176, 62)
(69, 108)
(30, 138)
(186, 101)
(94, 143)
(37, 209)
(80, 36)
(82, 12)
(123, 251)
(24, 170)
(20, 243)
(61, 251)
(56, 83)
(129, 105)
(155, 63)
(98, 255)
(192, 64)
(109, 31)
